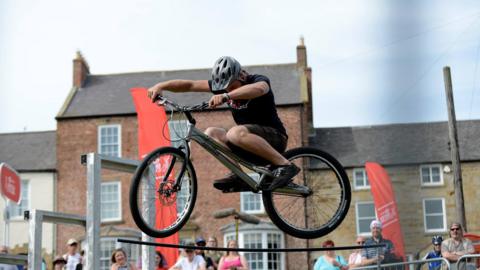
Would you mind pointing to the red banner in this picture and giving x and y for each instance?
(152, 129)
(385, 205)
(10, 183)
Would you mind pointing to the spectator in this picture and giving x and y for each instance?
(120, 261)
(200, 242)
(72, 256)
(330, 261)
(355, 259)
(215, 255)
(59, 263)
(371, 255)
(160, 261)
(190, 261)
(4, 250)
(435, 253)
(232, 259)
(456, 246)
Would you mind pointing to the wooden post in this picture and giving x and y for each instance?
(452, 132)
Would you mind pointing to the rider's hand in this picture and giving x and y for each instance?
(215, 101)
(154, 91)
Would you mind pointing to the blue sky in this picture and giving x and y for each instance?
(374, 62)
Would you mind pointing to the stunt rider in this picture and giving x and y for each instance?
(250, 98)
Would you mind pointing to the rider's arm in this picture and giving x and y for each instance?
(179, 86)
(250, 91)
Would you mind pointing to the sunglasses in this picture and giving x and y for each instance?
(361, 242)
(455, 229)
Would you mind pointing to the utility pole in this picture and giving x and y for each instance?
(452, 134)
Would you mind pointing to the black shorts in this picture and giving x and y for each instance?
(275, 138)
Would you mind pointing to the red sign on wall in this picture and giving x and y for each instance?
(10, 183)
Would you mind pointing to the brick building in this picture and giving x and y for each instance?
(32, 155)
(99, 116)
(417, 159)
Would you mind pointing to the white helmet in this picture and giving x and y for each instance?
(225, 71)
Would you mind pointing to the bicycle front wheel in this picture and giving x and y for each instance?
(158, 207)
(319, 213)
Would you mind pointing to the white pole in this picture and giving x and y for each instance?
(6, 218)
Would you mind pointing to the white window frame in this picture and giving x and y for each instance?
(444, 214)
(119, 218)
(357, 219)
(119, 135)
(366, 183)
(259, 195)
(264, 233)
(431, 183)
(22, 192)
(118, 245)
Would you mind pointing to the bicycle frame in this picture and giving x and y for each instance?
(226, 157)
(229, 160)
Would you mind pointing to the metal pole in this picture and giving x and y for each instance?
(149, 205)
(93, 211)
(379, 249)
(452, 132)
(237, 220)
(6, 218)
(35, 240)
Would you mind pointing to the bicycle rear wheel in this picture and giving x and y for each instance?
(324, 209)
(158, 209)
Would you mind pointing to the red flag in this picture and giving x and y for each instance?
(10, 183)
(152, 129)
(386, 206)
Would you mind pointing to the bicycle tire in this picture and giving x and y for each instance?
(165, 198)
(297, 215)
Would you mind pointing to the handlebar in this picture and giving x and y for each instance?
(161, 100)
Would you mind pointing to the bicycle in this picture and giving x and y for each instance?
(312, 205)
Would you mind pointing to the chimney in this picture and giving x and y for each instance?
(80, 70)
(302, 54)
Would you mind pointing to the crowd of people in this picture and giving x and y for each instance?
(451, 249)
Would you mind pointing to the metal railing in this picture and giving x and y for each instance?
(94, 163)
(445, 264)
(13, 259)
(468, 265)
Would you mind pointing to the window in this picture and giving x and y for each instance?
(431, 175)
(178, 130)
(261, 239)
(16, 210)
(108, 245)
(434, 215)
(250, 202)
(360, 179)
(110, 201)
(109, 141)
(365, 213)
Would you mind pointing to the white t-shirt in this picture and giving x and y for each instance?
(7, 267)
(184, 264)
(72, 261)
(355, 258)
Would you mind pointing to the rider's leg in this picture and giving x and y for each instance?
(242, 137)
(218, 134)
(283, 169)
